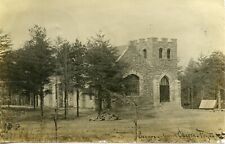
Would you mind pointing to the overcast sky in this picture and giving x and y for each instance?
(198, 25)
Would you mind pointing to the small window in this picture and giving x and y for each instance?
(168, 53)
(160, 52)
(145, 53)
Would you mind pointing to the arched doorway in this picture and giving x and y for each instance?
(164, 90)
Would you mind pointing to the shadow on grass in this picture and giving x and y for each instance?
(17, 114)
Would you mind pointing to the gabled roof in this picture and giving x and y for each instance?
(125, 49)
(121, 51)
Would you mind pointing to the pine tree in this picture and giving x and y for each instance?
(39, 61)
(105, 74)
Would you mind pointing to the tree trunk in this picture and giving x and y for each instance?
(19, 99)
(56, 124)
(202, 94)
(34, 101)
(56, 111)
(219, 99)
(66, 81)
(56, 96)
(42, 102)
(192, 97)
(65, 101)
(108, 102)
(99, 102)
(100, 105)
(136, 122)
(188, 96)
(30, 99)
(37, 100)
(78, 95)
(9, 97)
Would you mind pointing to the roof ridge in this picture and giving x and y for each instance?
(124, 51)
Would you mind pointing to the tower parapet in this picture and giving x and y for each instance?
(157, 50)
(150, 40)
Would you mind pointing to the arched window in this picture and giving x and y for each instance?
(164, 81)
(168, 53)
(132, 85)
(145, 53)
(160, 52)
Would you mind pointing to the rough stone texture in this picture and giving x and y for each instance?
(151, 69)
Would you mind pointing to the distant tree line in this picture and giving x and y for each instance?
(203, 79)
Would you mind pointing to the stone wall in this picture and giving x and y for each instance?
(138, 66)
(150, 68)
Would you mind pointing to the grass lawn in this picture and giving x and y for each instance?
(154, 126)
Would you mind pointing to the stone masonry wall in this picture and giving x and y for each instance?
(151, 69)
(138, 65)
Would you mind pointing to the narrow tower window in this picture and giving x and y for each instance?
(168, 53)
(160, 52)
(145, 53)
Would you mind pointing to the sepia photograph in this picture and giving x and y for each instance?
(112, 71)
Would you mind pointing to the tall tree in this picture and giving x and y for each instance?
(5, 48)
(22, 73)
(105, 74)
(5, 61)
(64, 68)
(189, 81)
(41, 66)
(213, 69)
(70, 58)
(204, 78)
(79, 68)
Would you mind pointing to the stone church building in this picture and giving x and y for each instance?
(151, 75)
(152, 71)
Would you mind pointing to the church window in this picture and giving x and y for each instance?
(145, 53)
(160, 52)
(132, 85)
(168, 53)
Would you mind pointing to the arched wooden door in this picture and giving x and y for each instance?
(164, 90)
